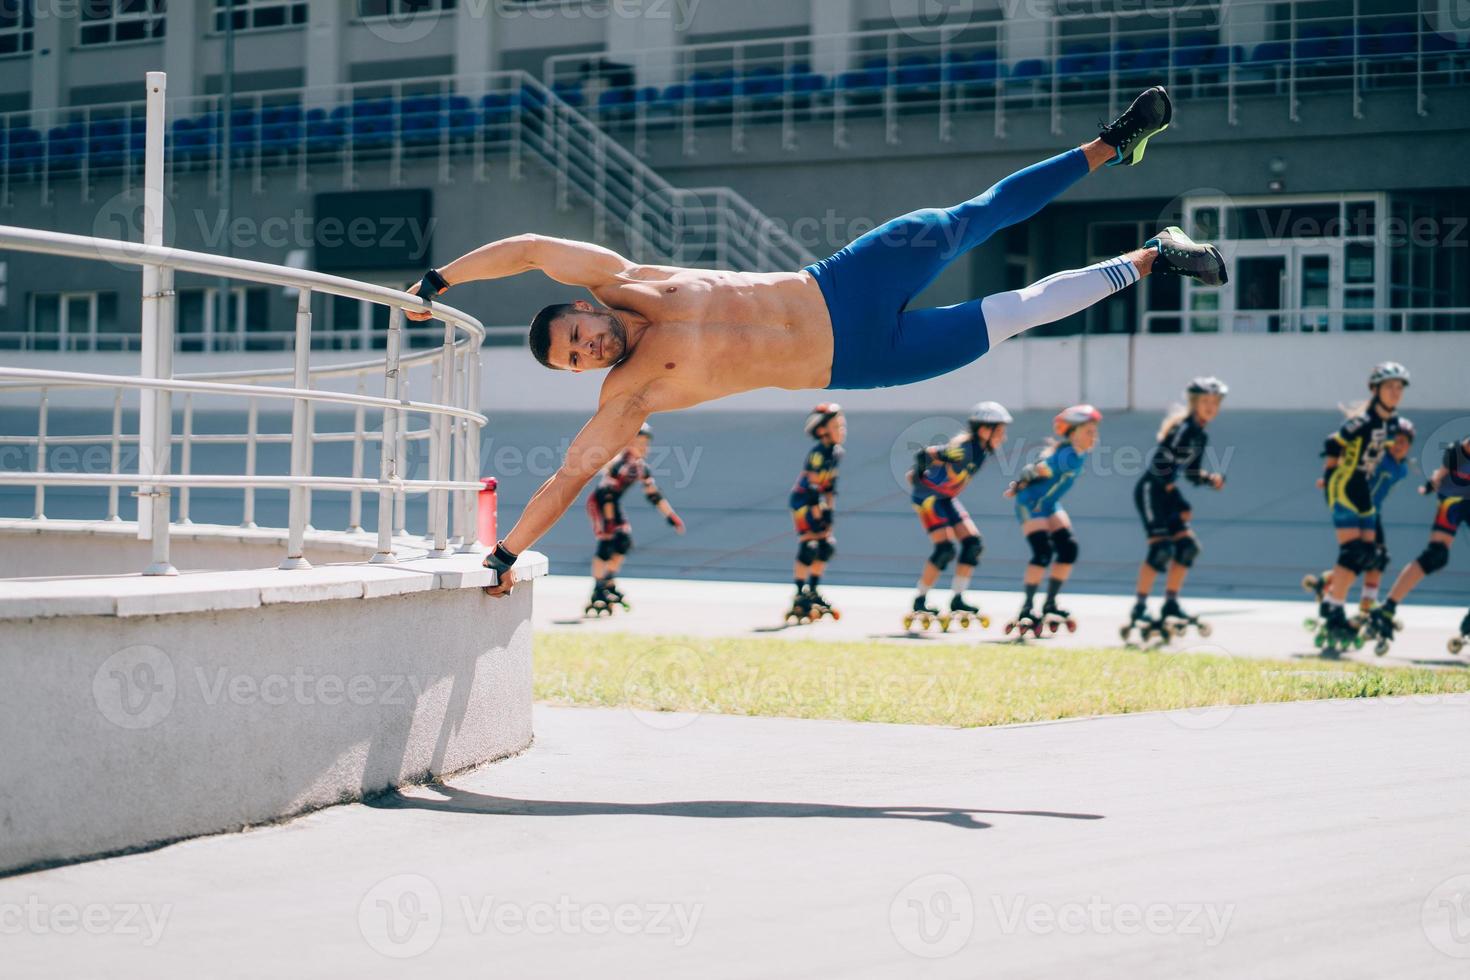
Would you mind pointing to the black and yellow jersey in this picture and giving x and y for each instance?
(1359, 446)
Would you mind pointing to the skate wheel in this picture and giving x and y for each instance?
(985, 622)
(1008, 628)
(1123, 633)
(1205, 629)
(1456, 644)
(1380, 648)
(1053, 626)
(908, 622)
(944, 624)
(835, 613)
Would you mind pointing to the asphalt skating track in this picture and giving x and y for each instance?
(1282, 840)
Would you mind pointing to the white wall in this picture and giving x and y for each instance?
(1280, 371)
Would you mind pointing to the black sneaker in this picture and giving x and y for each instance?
(1180, 255)
(1147, 117)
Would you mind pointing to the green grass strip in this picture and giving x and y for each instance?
(946, 684)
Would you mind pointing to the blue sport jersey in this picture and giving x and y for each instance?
(1390, 471)
(1055, 472)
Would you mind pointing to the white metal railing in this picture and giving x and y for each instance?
(917, 76)
(1310, 319)
(453, 432)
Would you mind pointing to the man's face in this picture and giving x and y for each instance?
(588, 339)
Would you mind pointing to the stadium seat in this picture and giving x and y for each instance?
(280, 128)
(917, 78)
(64, 148)
(712, 91)
(1026, 74)
(325, 131)
(864, 86)
(421, 120)
(23, 151)
(1082, 66)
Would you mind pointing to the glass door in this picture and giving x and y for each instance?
(1317, 285)
(1258, 294)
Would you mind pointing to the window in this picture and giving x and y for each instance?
(17, 25)
(254, 15)
(400, 8)
(199, 327)
(73, 322)
(111, 21)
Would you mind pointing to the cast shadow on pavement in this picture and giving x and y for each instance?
(454, 800)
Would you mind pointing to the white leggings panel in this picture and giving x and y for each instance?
(1057, 296)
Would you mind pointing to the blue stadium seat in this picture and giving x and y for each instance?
(463, 120)
(372, 123)
(421, 120)
(326, 131)
(918, 76)
(64, 148)
(712, 91)
(864, 86)
(569, 91)
(24, 150)
(107, 143)
(1082, 65)
(280, 128)
(1027, 72)
(763, 87)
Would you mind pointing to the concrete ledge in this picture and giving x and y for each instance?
(140, 710)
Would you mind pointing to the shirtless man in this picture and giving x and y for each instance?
(676, 337)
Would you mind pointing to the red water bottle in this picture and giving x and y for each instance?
(487, 512)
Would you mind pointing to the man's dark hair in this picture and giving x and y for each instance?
(540, 335)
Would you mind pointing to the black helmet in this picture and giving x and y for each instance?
(820, 416)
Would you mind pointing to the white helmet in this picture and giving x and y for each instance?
(821, 415)
(1388, 371)
(1208, 386)
(1070, 418)
(990, 413)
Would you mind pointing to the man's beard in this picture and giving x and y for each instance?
(616, 344)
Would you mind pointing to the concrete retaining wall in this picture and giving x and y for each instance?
(270, 694)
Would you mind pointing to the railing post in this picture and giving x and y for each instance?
(470, 540)
(41, 413)
(155, 423)
(387, 465)
(252, 433)
(116, 465)
(186, 455)
(359, 422)
(443, 459)
(300, 436)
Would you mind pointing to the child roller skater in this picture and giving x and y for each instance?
(1172, 545)
(1457, 643)
(1451, 483)
(939, 475)
(1353, 454)
(611, 528)
(1391, 470)
(812, 512)
(1047, 528)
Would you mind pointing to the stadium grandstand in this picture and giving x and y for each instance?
(1321, 145)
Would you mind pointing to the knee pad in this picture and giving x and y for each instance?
(1186, 550)
(1436, 555)
(970, 549)
(1380, 558)
(605, 549)
(1065, 545)
(622, 542)
(1041, 550)
(1357, 556)
(942, 555)
(806, 552)
(1160, 553)
(825, 549)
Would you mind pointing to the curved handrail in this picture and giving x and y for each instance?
(183, 260)
(452, 431)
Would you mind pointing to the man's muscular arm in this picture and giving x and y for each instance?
(603, 437)
(569, 262)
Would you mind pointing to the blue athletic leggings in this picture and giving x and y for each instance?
(876, 342)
